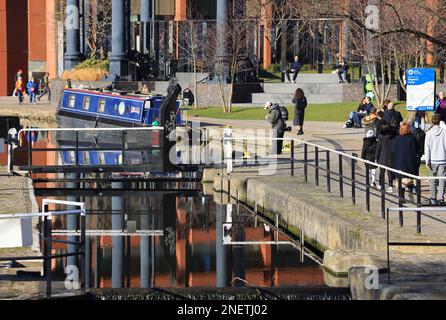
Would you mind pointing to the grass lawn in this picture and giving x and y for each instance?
(333, 112)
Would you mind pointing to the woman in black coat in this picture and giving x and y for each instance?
(383, 155)
(300, 104)
(406, 155)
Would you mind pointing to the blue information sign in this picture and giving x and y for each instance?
(421, 89)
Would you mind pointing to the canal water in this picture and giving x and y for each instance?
(166, 235)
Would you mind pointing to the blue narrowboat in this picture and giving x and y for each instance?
(113, 108)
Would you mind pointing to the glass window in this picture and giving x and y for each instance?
(101, 106)
(71, 101)
(86, 103)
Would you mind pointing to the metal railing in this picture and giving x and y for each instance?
(354, 179)
(408, 244)
(48, 239)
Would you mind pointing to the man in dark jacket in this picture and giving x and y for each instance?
(278, 125)
(296, 65)
(393, 117)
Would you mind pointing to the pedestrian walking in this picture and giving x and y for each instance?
(32, 88)
(406, 157)
(435, 156)
(300, 104)
(20, 89)
(45, 87)
(383, 155)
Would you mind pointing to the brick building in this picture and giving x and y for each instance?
(27, 40)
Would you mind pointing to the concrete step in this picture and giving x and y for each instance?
(286, 98)
(317, 78)
(308, 88)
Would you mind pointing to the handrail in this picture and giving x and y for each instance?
(346, 155)
(41, 214)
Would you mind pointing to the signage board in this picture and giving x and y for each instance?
(420, 89)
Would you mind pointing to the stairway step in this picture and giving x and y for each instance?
(261, 98)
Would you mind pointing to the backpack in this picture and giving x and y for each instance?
(284, 113)
(420, 136)
(394, 124)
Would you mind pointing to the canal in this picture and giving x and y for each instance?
(143, 234)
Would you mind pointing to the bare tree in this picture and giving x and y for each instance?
(234, 61)
(98, 24)
(190, 44)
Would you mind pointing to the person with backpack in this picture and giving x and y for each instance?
(435, 156)
(274, 117)
(300, 104)
(32, 88)
(393, 117)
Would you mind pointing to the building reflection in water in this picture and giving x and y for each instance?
(183, 246)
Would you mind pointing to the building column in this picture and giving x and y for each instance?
(118, 57)
(73, 54)
(51, 42)
(117, 241)
(267, 14)
(145, 19)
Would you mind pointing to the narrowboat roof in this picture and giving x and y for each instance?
(116, 94)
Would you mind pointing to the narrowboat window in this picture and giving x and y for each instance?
(147, 105)
(86, 103)
(71, 101)
(101, 107)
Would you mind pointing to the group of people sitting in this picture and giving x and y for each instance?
(399, 145)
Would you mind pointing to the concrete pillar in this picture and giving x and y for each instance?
(145, 250)
(117, 241)
(73, 54)
(118, 57)
(222, 69)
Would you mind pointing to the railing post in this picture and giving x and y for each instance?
(306, 162)
(353, 170)
(328, 172)
(316, 166)
(48, 257)
(30, 151)
(76, 156)
(341, 177)
(382, 183)
(124, 145)
(419, 206)
(82, 248)
(400, 200)
(367, 188)
(388, 247)
(292, 158)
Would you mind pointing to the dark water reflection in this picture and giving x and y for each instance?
(182, 245)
